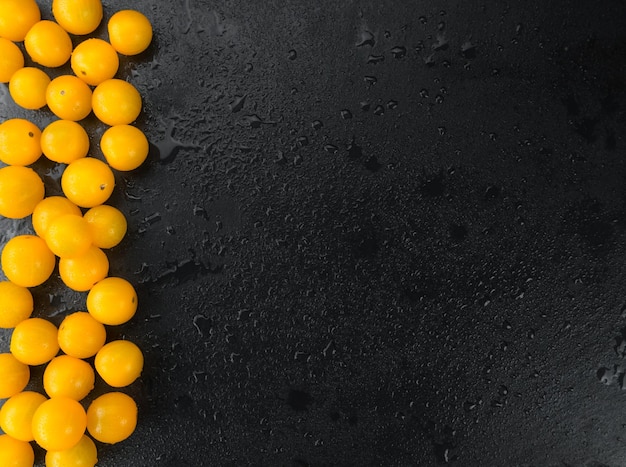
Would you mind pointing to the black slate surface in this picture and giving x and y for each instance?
(373, 233)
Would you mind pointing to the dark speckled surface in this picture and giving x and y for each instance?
(374, 233)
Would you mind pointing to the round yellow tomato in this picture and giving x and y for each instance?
(27, 261)
(95, 61)
(59, 423)
(16, 415)
(119, 363)
(69, 98)
(11, 59)
(108, 225)
(112, 301)
(81, 335)
(68, 236)
(14, 375)
(83, 272)
(34, 341)
(15, 453)
(78, 17)
(116, 102)
(20, 191)
(16, 304)
(130, 32)
(67, 376)
(20, 142)
(28, 87)
(87, 182)
(64, 141)
(125, 147)
(84, 454)
(17, 17)
(48, 44)
(112, 417)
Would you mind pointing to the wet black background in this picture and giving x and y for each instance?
(373, 233)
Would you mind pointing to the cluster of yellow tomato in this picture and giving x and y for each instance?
(76, 228)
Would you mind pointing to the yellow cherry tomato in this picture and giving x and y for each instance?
(34, 341)
(130, 32)
(14, 375)
(112, 301)
(27, 261)
(87, 182)
(48, 44)
(69, 97)
(125, 147)
(11, 59)
(83, 272)
(68, 236)
(78, 17)
(20, 191)
(20, 142)
(49, 209)
(81, 335)
(112, 417)
(84, 454)
(108, 225)
(16, 415)
(64, 141)
(59, 423)
(17, 17)
(15, 453)
(95, 61)
(67, 376)
(16, 304)
(119, 363)
(116, 102)
(28, 87)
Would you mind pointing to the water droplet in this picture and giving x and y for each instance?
(346, 114)
(468, 50)
(365, 106)
(423, 19)
(441, 130)
(237, 104)
(503, 390)
(302, 141)
(292, 54)
(398, 51)
(317, 124)
(518, 28)
(248, 68)
(424, 93)
(392, 104)
(331, 148)
(439, 99)
(387, 34)
(367, 38)
(252, 121)
(429, 60)
(371, 80)
(379, 110)
(375, 58)
(441, 44)
(441, 25)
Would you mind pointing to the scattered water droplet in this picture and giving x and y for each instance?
(379, 110)
(398, 51)
(424, 93)
(375, 58)
(365, 106)
(237, 104)
(371, 80)
(423, 19)
(367, 38)
(292, 54)
(331, 148)
(346, 114)
(387, 34)
(249, 67)
(392, 104)
(468, 50)
(439, 99)
(317, 124)
(441, 130)
(302, 141)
